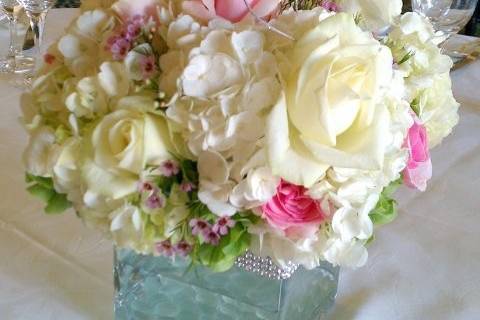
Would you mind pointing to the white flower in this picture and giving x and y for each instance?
(258, 188)
(94, 210)
(331, 113)
(349, 224)
(114, 79)
(414, 35)
(427, 81)
(129, 140)
(127, 227)
(184, 32)
(66, 171)
(207, 75)
(438, 109)
(41, 152)
(81, 47)
(88, 100)
(374, 14)
(350, 254)
(267, 242)
(215, 188)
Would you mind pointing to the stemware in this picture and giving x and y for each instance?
(36, 11)
(447, 16)
(10, 8)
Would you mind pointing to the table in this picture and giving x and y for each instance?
(424, 266)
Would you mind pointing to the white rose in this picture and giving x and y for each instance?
(127, 227)
(114, 79)
(128, 140)
(331, 113)
(88, 100)
(41, 153)
(375, 14)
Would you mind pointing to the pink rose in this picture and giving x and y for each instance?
(419, 166)
(231, 10)
(293, 211)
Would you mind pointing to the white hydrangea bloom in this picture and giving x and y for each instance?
(82, 45)
(228, 82)
(426, 73)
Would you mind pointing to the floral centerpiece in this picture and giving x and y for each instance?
(207, 128)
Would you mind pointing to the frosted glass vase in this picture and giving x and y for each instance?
(148, 287)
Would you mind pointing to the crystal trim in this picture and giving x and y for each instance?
(265, 267)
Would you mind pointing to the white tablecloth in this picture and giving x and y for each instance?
(426, 265)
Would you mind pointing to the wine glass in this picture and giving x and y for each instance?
(10, 8)
(36, 11)
(447, 16)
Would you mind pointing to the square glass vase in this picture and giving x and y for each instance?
(148, 287)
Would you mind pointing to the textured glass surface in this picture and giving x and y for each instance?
(150, 287)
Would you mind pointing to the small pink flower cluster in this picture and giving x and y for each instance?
(166, 248)
(120, 44)
(211, 234)
(169, 168)
(330, 6)
(154, 197)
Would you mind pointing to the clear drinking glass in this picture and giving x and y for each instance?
(37, 11)
(10, 8)
(447, 16)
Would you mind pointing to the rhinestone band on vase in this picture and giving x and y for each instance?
(265, 267)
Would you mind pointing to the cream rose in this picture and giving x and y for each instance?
(128, 140)
(331, 113)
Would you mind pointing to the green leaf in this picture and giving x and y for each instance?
(406, 57)
(389, 190)
(386, 208)
(189, 169)
(223, 264)
(239, 246)
(385, 211)
(415, 105)
(45, 182)
(57, 204)
(41, 192)
(165, 184)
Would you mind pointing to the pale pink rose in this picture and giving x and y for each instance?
(419, 166)
(231, 10)
(293, 211)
